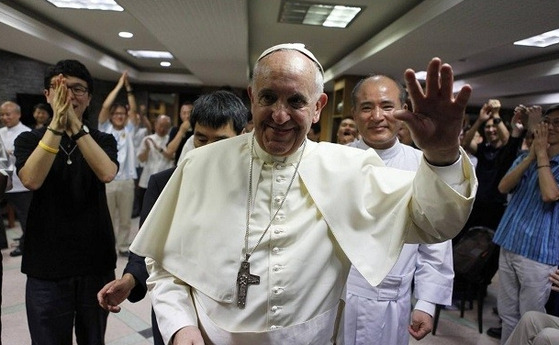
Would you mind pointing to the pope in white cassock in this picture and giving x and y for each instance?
(252, 239)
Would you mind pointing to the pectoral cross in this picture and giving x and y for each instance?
(244, 279)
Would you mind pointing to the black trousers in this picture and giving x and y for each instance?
(55, 306)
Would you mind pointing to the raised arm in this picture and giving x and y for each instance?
(132, 105)
(173, 145)
(502, 130)
(468, 140)
(436, 120)
(105, 113)
(546, 180)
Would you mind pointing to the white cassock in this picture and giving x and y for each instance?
(337, 213)
(381, 314)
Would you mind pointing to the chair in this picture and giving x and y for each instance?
(473, 255)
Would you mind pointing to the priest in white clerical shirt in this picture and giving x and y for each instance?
(252, 239)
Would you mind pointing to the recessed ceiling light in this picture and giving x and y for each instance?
(150, 54)
(126, 34)
(107, 5)
(329, 15)
(421, 75)
(544, 40)
(165, 64)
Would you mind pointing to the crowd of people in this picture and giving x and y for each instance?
(247, 240)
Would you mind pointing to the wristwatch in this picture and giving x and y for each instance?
(83, 131)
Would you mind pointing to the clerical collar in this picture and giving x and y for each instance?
(268, 158)
(384, 154)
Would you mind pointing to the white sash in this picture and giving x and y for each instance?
(318, 331)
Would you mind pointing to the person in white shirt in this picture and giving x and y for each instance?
(152, 153)
(120, 121)
(381, 314)
(18, 197)
(253, 237)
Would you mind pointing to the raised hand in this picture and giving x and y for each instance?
(436, 120)
(60, 103)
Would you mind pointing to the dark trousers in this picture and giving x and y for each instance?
(20, 201)
(55, 306)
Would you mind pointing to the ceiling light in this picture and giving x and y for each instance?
(329, 15)
(107, 5)
(125, 34)
(165, 64)
(150, 54)
(544, 40)
(421, 75)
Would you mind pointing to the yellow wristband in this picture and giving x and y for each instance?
(48, 148)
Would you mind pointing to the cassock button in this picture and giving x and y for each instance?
(278, 199)
(274, 309)
(280, 179)
(275, 250)
(278, 231)
(277, 290)
(280, 166)
(274, 327)
(276, 268)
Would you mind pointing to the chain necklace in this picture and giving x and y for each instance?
(244, 277)
(68, 161)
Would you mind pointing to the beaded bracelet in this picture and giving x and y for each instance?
(54, 131)
(48, 148)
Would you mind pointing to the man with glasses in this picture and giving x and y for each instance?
(121, 122)
(69, 252)
(527, 233)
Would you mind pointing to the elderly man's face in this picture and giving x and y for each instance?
(376, 101)
(9, 115)
(285, 101)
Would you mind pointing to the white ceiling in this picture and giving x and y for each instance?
(215, 42)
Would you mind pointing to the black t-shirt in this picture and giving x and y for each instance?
(493, 163)
(69, 230)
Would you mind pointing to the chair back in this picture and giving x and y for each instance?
(472, 252)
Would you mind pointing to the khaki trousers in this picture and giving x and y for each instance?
(120, 199)
(535, 328)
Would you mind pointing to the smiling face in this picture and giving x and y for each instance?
(285, 101)
(375, 102)
(490, 132)
(41, 116)
(119, 117)
(347, 131)
(79, 103)
(9, 114)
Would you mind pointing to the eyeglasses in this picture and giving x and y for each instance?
(554, 122)
(77, 90)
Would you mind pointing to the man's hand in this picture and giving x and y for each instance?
(421, 324)
(554, 278)
(115, 292)
(436, 120)
(60, 103)
(189, 335)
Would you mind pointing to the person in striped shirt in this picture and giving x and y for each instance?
(529, 230)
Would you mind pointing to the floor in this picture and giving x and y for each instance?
(132, 326)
